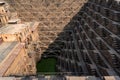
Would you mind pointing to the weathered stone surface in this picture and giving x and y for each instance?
(53, 15)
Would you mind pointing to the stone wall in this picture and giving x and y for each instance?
(97, 31)
(53, 15)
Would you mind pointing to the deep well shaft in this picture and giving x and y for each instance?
(82, 35)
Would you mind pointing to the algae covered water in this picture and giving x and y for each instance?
(46, 65)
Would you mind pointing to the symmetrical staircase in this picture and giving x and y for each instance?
(86, 43)
(53, 15)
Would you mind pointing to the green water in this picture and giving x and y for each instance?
(46, 65)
